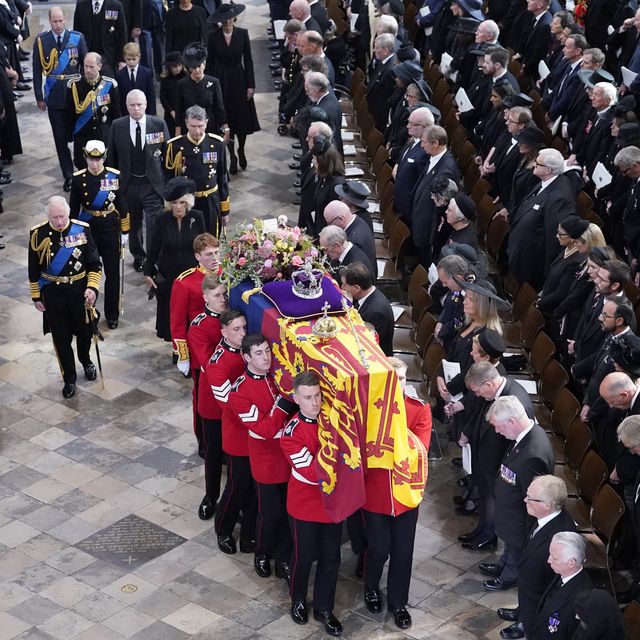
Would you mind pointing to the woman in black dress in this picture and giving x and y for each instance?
(171, 248)
(184, 23)
(173, 73)
(329, 173)
(229, 60)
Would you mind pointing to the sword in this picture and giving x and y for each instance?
(92, 319)
(122, 282)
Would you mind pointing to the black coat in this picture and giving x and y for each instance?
(592, 146)
(169, 97)
(410, 168)
(324, 193)
(184, 27)
(206, 94)
(631, 218)
(562, 274)
(355, 254)
(361, 235)
(506, 159)
(557, 604)
(532, 245)
(232, 64)
(144, 82)
(379, 90)
(329, 102)
(377, 311)
(535, 45)
(534, 572)
(531, 457)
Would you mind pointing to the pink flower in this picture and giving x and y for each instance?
(268, 264)
(297, 261)
(242, 261)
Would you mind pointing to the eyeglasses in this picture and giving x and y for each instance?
(410, 95)
(333, 219)
(528, 498)
(414, 124)
(540, 164)
(606, 315)
(562, 235)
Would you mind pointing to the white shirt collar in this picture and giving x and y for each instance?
(346, 250)
(549, 518)
(501, 75)
(545, 183)
(571, 577)
(524, 433)
(361, 301)
(501, 387)
(132, 129)
(433, 161)
(387, 58)
(635, 395)
(93, 4)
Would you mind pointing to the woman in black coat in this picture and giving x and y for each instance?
(174, 72)
(329, 173)
(185, 23)
(171, 247)
(229, 59)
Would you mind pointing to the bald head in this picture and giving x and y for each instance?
(299, 10)
(617, 390)
(338, 213)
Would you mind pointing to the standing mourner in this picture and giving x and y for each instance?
(230, 61)
(58, 55)
(64, 276)
(93, 104)
(96, 199)
(201, 156)
(173, 72)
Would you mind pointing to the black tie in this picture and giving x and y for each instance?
(96, 7)
(133, 81)
(138, 137)
(59, 43)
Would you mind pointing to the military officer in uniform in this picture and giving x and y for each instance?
(93, 104)
(201, 156)
(58, 55)
(64, 276)
(96, 199)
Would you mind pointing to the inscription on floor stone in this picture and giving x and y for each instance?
(130, 542)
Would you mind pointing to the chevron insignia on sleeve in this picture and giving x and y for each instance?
(302, 459)
(251, 415)
(221, 393)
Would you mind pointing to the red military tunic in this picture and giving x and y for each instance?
(222, 370)
(252, 411)
(186, 303)
(300, 446)
(377, 482)
(203, 337)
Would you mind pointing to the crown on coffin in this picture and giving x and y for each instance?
(307, 282)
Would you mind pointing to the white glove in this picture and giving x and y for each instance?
(125, 239)
(183, 367)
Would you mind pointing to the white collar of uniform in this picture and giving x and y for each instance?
(524, 433)
(347, 248)
(545, 183)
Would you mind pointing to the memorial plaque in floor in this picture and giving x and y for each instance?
(130, 542)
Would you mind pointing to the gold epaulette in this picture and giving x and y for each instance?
(84, 224)
(213, 135)
(172, 139)
(186, 273)
(113, 81)
(116, 171)
(80, 172)
(37, 226)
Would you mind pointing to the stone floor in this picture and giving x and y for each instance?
(69, 469)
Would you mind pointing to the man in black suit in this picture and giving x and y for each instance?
(135, 76)
(341, 253)
(310, 43)
(412, 162)
(530, 455)
(442, 164)
(382, 83)
(300, 10)
(51, 96)
(319, 14)
(137, 144)
(320, 95)
(104, 26)
(370, 302)
(533, 245)
(535, 45)
(545, 499)
(358, 231)
(628, 162)
(555, 616)
(486, 383)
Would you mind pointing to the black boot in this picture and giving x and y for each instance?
(233, 164)
(242, 159)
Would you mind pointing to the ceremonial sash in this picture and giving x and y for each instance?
(63, 63)
(103, 90)
(62, 255)
(99, 200)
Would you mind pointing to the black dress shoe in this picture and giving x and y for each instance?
(206, 509)
(262, 565)
(296, 145)
(457, 462)
(299, 612)
(69, 390)
(274, 65)
(513, 632)
(6, 180)
(67, 185)
(23, 86)
(138, 263)
(227, 544)
(297, 156)
(487, 545)
(282, 571)
(459, 500)
(462, 510)
(294, 165)
(373, 600)
(463, 482)
(297, 184)
(298, 192)
(5, 174)
(401, 617)
(90, 372)
(498, 584)
(242, 159)
(27, 79)
(112, 324)
(360, 567)
(296, 201)
(490, 569)
(247, 546)
(331, 624)
(466, 537)
(510, 615)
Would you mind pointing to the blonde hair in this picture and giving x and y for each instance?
(486, 314)
(396, 363)
(593, 237)
(131, 48)
(190, 199)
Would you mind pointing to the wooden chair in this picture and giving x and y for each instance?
(584, 203)
(486, 211)
(424, 333)
(496, 236)
(522, 302)
(480, 189)
(398, 243)
(532, 325)
(578, 442)
(419, 300)
(608, 509)
(592, 216)
(592, 475)
(632, 620)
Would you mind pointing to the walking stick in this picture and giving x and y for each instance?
(92, 319)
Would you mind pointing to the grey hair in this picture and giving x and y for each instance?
(575, 544)
(481, 372)
(453, 265)
(553, 490)
(59, 200)
(506, 407)
(425, 115)
(388, 24)
(317, 80)
(629, 432)
(553, 160)
(386, 41)
(95, 56)
(628, 156)
(333, 234)
(609, 91)
(195, 112)
(492, 27)
(136, 93)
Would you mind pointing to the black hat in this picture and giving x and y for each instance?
(425, 90)
(465, 25)
(172, 57)
(484, 288)
(574, 226)
(532, 136)
(465, 251)
(178, 187)
(629, 134)
(626, 104)
(517, 100)
(194, 55)
(492, 342)
(354, 192)
(590, 78)
(467, 206)
(397, 6)
(226, 11)
(321, 144)
(407, 53)
(625, 352)
(472, 8)
(408, 71)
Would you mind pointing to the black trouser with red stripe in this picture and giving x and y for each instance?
(273, 536)
(239, 495)
(390, 537)
(315, 541)
(213, 457)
